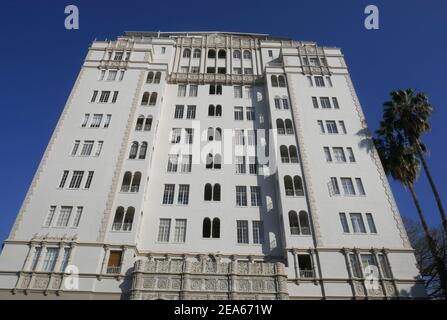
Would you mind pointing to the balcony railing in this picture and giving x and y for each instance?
(113, 269)
(307, 274)
(295, 230)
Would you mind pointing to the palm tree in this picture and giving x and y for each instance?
(400, 162)
(408, 113)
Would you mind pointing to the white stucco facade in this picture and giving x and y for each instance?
(280, 232)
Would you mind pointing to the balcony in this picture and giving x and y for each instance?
(307, 274)
(113, 269)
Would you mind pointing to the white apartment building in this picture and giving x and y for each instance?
(210, 165)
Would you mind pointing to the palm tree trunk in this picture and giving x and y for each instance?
(439, 262)
(432, 185)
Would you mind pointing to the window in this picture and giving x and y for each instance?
(103, 73)
(293, 153)
(65, 257)
(355, 266)
(211, 230)
(63, 179)
(281, 81)
(77, 217)
(348, 187)
(168, 195)
(193, 90)
(357, 223)
(238, 113)
(186, 163)
(150, 77)
(222, 54)
(331, 127)
(294, 223)
(255, 193)
(163, 50)
(219, 89)
(36, 257)
(251, 137)
(350, 154)
(184, 69)
(145, 99)
(335, 103)
(221, 70)
(139, 124)
(112, 75)
(277, 103)
(118, 56)
(118, 220)
(285, 103)
(143, 151)
(195, 69)
(248, 70)
(344, 222)
(325, 102)
(64, 216)
(250, 112)
(258, 232)
(76, 179)
(335, 190)
(339, 154)
(314, 62)
(368, 260)
(114, 263)
(197, 53)
(189, 135)
(206, 228)
(360, 188)
(180, 230)
(240, 164)
(242, 231)
(115, 96)
(284, 153)
(183, 194)
(172, 162)
(237, 92)
(50, 259)
(212, 193)
(236, 54)
(270, 53)
(289, 126)
(104, 98)
(309, 79)
(248, 92)
(320, 125)
(237, 70)
(157, 77)
(305, 266)
(153, 99)
(241, 196)
(148, 124)
(319, 81)
(327, 154)
(85, 121)
(96, 121)
(181, 90)
(342, 126)
(121, 76)
(50, 216)
(107, 122)
(305, 61)
(75, 147)
(211, 70)
(186, 53)
(252, 165)
(298, 186)
(386, 271)
(239, 137)
(218, 111)
(211, 53)
(176, 135)
(88, 182)
(329, 81)
(133, 150)
(217, 161)
(315, 102)
(178, 114)
(371, 224)
(247, 54)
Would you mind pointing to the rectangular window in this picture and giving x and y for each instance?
(64, 216)
(327, 154)
(178, 114)
(189, 133)
(183, 194)
(335, 103)
(74, 151)
(248, 70)
(331, 127)
(107, 122)
(355, 266)
(315, 102)
(357, 223)
(277, 103)
(181, 90)
(88, 182)
(191, 112)
(386, 271)
(63, 179)
(77, 217)
(319, 81)
(258, 232)
(250, 113)
(360, 187)
(172, 162)
(168, 195)
(98, 148)
(104, 98)
(64, 261)
(242, 231)
(285, 103)
(193, 90)
(76, 179)
(253, 165)
(118, 56)
(368, 260)
(350, 154)
(325, 102)
(240, 164)
(237, 70)
(329, 81)
(163, 50)
(344, 222)
(348, 187)
(210, 70)
(334, 186)
(180, 230)
(36, 257)
(112, 75)
(96, 121)
(371, 224)
(50, 216)
(87, 148)
(103, 73)
(309, 79)
(314, 62)
(239, 137)
(238, 113)
(114, 263)
(270, 53)
(176, 135)
(163, 230)
(221, 70)
(255, 193)
(115, 96)
(241, 196)
(248, 92)
(95, 94)
(85, 121)
(121, 77)
(183, 69)
(342, 126)
(251, 137)
(50, 259)
(186, 163)
(339, 154)
(320, 125)
(195, 70)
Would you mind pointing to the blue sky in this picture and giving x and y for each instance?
(40, 60)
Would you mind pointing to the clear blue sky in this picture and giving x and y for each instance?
(39, 61)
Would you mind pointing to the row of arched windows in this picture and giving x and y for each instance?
(211, 229)
(299, 223)
(213, 162)
(215, 111)
(288, 155)
(278, 81)
(135, 147)
(294, 187)
(284, 126)
(143, 124)
(131, 182)
(123, 219)
(149, 99)
(212, 53)
(212, 192)
(153, 77)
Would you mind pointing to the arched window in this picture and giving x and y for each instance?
(211, 53)
(304, 223)
(209, 161)
(153, 99)
(218, 89)
(211, 110)
(148, 124)
(136, 182)
(281, 81)
(208, 192)
(143, 150)
(222, 54)
(217, 161)
(133, 150)
(284, 154)
(216, 228)
(206, 229)
(157, 77)
(289, 126)
(216, 192)
(186, 53)
(118, 220)
(212, 89)
(293, 154)
(150, 77)
(145, 99)
(218, 110)
(125, 186)
(293, 223)
(274, 80)
(236, 54)
(247, 54)
(128, 219)
(280, 126)
(218, 134)
(298, 186)
(277, 103)
(140, 122)
(197, 53)
(210, 134)
(288, 185)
